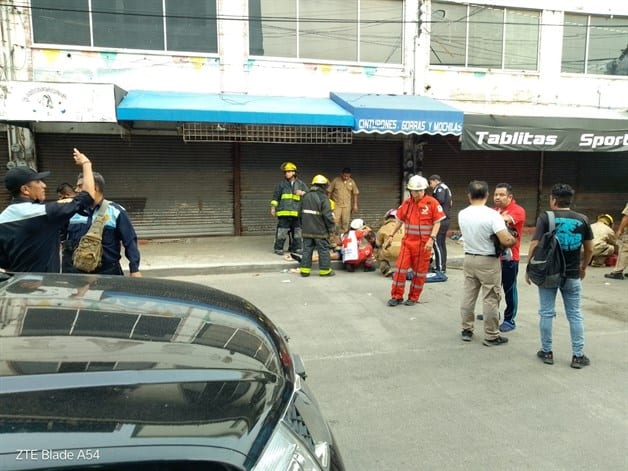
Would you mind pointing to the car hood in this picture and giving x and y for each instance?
(115, 363)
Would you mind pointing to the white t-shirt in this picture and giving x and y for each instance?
(477, 224)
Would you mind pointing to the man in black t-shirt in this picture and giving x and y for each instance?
(573, 231)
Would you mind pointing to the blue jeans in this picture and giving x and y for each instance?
(570, 291)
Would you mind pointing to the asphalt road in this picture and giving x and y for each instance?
(403, 392)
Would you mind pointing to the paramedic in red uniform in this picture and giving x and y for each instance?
(421, 215)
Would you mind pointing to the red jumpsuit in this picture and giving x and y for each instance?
(419, 218)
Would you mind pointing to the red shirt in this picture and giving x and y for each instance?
(516, 218)
(420, 217)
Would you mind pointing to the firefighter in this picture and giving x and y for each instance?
(388, 250)
(317, 222)
(421, 215)
(285, 206)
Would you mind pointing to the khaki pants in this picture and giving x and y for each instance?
(622, 257)
(481, 274)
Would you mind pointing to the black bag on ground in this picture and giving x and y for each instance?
(546, 267)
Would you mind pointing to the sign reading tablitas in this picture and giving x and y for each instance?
(549, 134)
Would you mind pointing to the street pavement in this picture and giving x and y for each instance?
(399, 387)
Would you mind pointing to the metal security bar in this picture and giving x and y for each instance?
(218, 132)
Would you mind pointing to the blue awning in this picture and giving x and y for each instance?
(140, 105)
(400, 114)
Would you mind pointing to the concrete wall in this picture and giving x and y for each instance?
(231, 70)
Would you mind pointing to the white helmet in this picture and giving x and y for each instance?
(417, 182)
(357, 224)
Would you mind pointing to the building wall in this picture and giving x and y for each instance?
(232, 70)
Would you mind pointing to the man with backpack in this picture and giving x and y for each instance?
(573, 232)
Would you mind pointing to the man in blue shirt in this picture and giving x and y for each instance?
(30, 227)
(118, 230)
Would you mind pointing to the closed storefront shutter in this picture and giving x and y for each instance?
(4, 159)
(169, 188)
(457, 168)
(375, 165)
(599, 178)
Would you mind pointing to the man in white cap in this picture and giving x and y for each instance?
(30, 227)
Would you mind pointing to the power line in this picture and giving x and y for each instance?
(292, 19)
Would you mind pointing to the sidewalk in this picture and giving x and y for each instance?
(230, 254)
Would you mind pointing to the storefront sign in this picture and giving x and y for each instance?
(58, 102)
(548, 134)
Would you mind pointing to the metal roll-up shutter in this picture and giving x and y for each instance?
(169, 188)
(375, 166)
(4, 160)
(442, 156)
(599, 178)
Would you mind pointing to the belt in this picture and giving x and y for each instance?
(479, 255)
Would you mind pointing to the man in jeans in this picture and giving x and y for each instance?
(514, 217)
(574, 233)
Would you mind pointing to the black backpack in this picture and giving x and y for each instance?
(546, 268)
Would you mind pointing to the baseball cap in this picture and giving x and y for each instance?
(18, 176)
(434, 177)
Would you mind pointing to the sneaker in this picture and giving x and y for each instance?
(409, 302)
(547, 357)
(480, 317)
(580, 362)
(466, 335)
(392, 302)
(331, 273)
(507, 326)
(615, 275)
(494, 342)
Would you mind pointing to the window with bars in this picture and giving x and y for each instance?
(156, 25)
(484, 36)
(347, 30)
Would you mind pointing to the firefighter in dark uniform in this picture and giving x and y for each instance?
(285, 206)
(317, 221)
(30, 228)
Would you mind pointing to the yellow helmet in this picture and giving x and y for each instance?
(606, 219)
(288, 167)
(320, 180)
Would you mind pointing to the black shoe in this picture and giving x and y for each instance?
(466, 335)
(304, 275)
(371, 268)
(349, 268)
(409, 302)
(615, 275)
(278, 252)
(494, 342)
(296, 256)
(580, 362)
(392, 302)
(547, 357)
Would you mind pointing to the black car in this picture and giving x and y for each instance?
(118, 373)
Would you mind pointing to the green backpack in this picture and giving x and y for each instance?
(87, 256)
